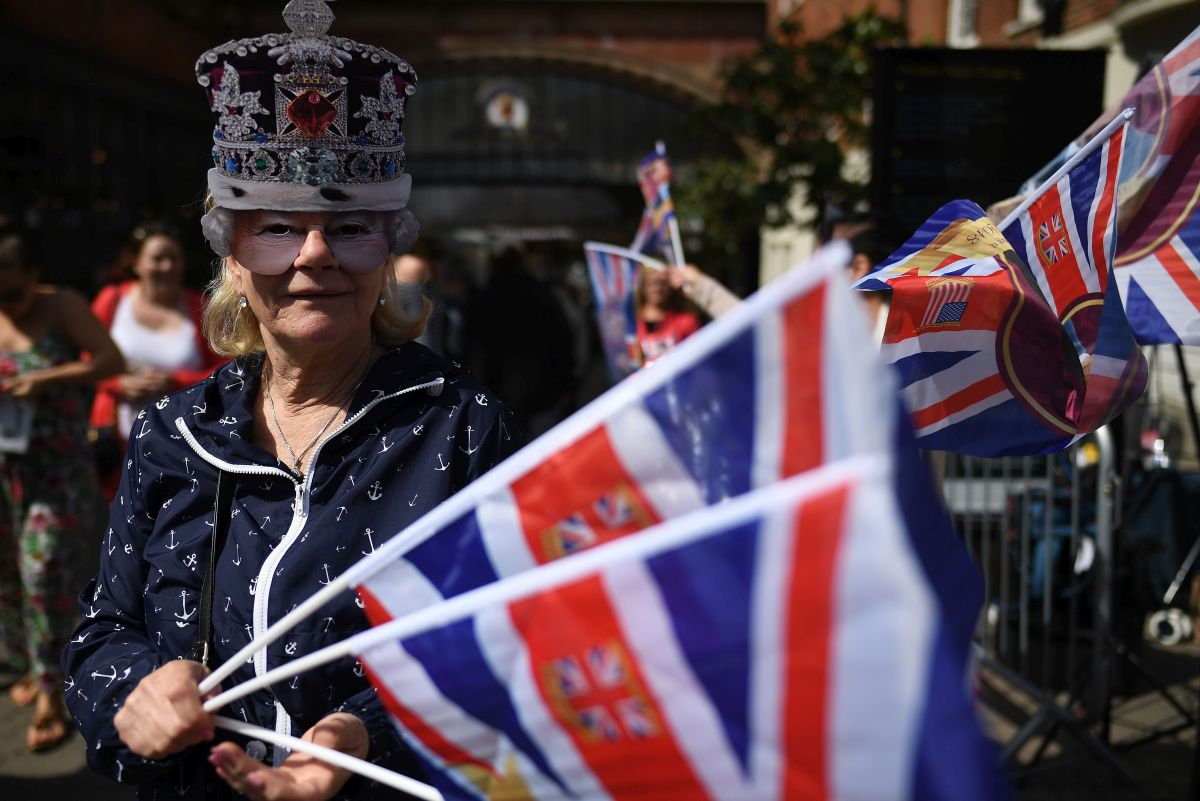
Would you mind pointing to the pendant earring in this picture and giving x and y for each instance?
(382, 300)
(243, 303)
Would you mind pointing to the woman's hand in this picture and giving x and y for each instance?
(163, 715)
(26, 385)
(684, 276)
(300, 777)
(143, 383)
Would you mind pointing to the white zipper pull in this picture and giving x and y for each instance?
(298, 503)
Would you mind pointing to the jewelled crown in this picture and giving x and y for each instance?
(306, 121)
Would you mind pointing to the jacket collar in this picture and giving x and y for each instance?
(222, 421)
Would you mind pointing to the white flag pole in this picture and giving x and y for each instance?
(1085, 151)
(829, 260)
(353, 764)
(865, 471)
(676, 240)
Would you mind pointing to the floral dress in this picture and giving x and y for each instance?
(49, 502)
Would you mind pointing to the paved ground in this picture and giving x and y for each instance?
(1161, 769)
(1151, 743)
(58, 775)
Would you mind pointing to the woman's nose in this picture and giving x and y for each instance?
(315, 252)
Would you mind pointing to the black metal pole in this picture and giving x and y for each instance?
(1194, 784)
(1188, 398)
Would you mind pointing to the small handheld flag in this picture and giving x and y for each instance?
(658, 233)
(614, 274)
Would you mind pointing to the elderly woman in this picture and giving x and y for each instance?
(328, 432)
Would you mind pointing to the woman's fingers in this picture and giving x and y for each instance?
(248, 776)
(163, 715)
(301, 777)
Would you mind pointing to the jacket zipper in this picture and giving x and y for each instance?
(299, 518)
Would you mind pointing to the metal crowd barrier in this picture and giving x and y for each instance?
(1042, 531)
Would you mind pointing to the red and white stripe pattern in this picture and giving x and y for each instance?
(951, 396)
(1170, 279)
(948, 290)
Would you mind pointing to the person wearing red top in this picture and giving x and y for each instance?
(156, 322)
(663, 320)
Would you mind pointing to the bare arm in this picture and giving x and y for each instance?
(86, 333)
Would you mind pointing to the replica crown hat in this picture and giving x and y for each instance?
(306, 121)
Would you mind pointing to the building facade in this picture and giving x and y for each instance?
(528, 125)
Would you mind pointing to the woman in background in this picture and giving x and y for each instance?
(663, 320)
(156, 322)
(49, 501)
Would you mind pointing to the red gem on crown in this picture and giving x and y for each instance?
(312, 113)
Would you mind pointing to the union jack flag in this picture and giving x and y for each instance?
(1053, 238)
(1072, 264)
(614, 274)
(806, 640)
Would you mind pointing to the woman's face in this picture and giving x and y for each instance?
(17, 286)
(655, 289)
(306, 276)
(160, 261)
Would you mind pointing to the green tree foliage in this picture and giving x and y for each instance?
(797, 107)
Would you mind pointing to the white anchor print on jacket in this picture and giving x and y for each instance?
(282, 542)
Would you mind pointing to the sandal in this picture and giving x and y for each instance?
(49, 726)
(23, 691)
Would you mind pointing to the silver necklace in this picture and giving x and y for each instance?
(291, 451)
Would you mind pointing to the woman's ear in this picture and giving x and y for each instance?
(235, 274)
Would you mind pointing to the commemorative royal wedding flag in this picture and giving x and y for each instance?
(1006, 338)
(1158, 256)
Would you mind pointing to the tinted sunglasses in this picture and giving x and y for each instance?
(269, 244)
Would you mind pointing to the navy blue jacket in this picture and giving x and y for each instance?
(417, 430)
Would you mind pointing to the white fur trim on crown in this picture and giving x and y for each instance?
(231, 193)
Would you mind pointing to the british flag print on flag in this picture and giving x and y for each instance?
(786, 645)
